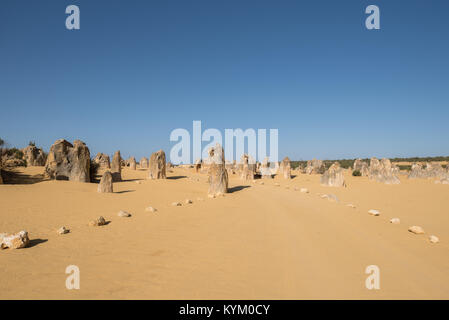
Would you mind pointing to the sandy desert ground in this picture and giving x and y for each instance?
(257, 242)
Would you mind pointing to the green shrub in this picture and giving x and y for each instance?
(16, 153)
(356, 173)
(32, 143)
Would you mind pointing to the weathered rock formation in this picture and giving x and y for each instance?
(382, 171)
(333, 177)
(102, 160)
(105, 185)
(143, 163)
(431, 170)
(157, 165)
(362, 167)
(265, 170)
(34, 156)
(217, 174)
(132, 163)
(285, 168)
(315, 167)
(116, 167)
(197, 165)
(68, 162)
(248, 167)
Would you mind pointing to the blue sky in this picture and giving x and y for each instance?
(136, 70)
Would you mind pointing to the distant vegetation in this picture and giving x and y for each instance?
(14, 152)
(356, 173)
(348, 163)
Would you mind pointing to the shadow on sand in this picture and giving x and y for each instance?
(35, 242)
(13, 177)
(176, 177)
(124, 191)
(237, 188)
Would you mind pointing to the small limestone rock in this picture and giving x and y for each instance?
(374, 212)
(150, 209)
(350, 205)
(176, 204)
(124, 214)
(304, 190)
(188, 201)
(416, 230)
(212, 196)
(330, 197)
(434, 239)
(100, 221)
(14, 241)
(62, 230)
(138, 182)
(395, 221)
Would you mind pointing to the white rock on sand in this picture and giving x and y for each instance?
(62, 230)
(124, 214)
(434, 239)
(395, 221)
(374, 212)
(176, 204)
(150, 209)
(416, 230)
(188, 201)
(330, 197)
(350, 205)
(14, 241)
(304, 190)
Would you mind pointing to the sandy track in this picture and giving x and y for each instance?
(258, 242)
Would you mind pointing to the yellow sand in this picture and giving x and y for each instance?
(258, 242)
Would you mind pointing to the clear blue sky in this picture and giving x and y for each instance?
(136, 70)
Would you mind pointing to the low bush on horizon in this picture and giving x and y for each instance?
(356, 173)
